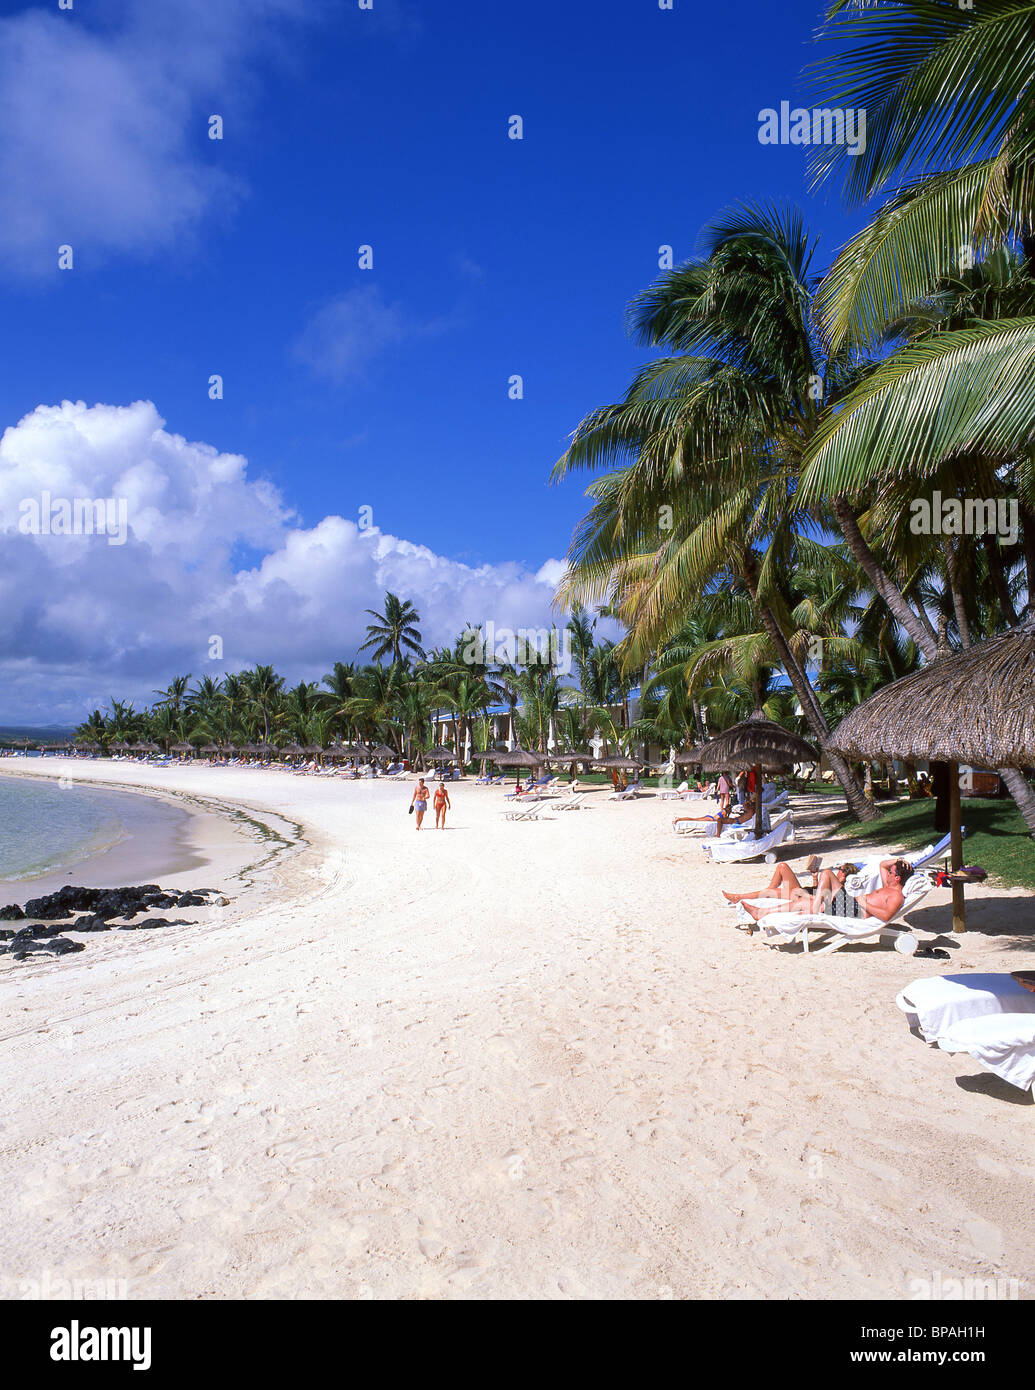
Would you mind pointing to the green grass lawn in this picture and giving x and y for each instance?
(997, 837)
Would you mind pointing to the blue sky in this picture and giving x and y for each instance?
(343, 387)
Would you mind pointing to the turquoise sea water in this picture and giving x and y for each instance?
(45, 827)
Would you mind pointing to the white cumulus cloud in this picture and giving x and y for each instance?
(82, 619)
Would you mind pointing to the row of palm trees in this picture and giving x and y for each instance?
(713, 672)
(766, 461)
(401, 703)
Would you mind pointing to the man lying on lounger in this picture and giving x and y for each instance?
(830, 895)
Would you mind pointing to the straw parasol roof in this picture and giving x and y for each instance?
(209, 748)
(383, 751)
(182, 748)
(517, 757)
(755, 742)
(687, 757)
(976, 707)
(440, 752)
(619, 763)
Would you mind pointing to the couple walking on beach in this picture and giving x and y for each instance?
(419, 803)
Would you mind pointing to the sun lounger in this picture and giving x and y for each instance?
(783, 928)
(629, 794)
(868, 880)
(705, 826)
(1002, 1043)
(679, 793)
(575, 802)
(741, 849)
(776, 802)
(935, 1005)
(532, 812)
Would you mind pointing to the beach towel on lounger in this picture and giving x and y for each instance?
(936, 1004)
(1004, 1043)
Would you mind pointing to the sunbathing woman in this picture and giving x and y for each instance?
(743, 817)
(830, 896)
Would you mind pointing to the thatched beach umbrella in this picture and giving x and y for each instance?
(688, 757)
(292, 750)
(571, 756)
(758, 743)
(517, 757)
(383, 751)
(975, 706)
(182, 748)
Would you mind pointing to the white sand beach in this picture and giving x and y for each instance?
(503, 1061)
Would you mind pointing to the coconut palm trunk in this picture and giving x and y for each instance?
(862, 809)
(918, 625)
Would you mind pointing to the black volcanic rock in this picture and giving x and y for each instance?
(89, 923)
(52, 946)
(31, 933)
(97, 907)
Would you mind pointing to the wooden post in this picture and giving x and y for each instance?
(959, 910)
(758, 801)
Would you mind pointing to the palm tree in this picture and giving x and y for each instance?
(950, 117)
(716, 434)
(263, 689)
(175, 692)
(393, 630)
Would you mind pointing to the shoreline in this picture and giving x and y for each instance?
(224, 840)
(508, 1060)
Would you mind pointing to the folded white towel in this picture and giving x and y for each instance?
(935, 1004)
(1004, 1043)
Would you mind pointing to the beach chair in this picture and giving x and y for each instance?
(576, 802)
(630, 794)
(868, 877)
(740, 849)
(1002, 1043)
(677, 794)
(776, 802)
(936, 1004)
(784, 928)
(532, 812)
(698, 827)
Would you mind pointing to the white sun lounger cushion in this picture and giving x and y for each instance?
(1004, 1043)
(936, 1004)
